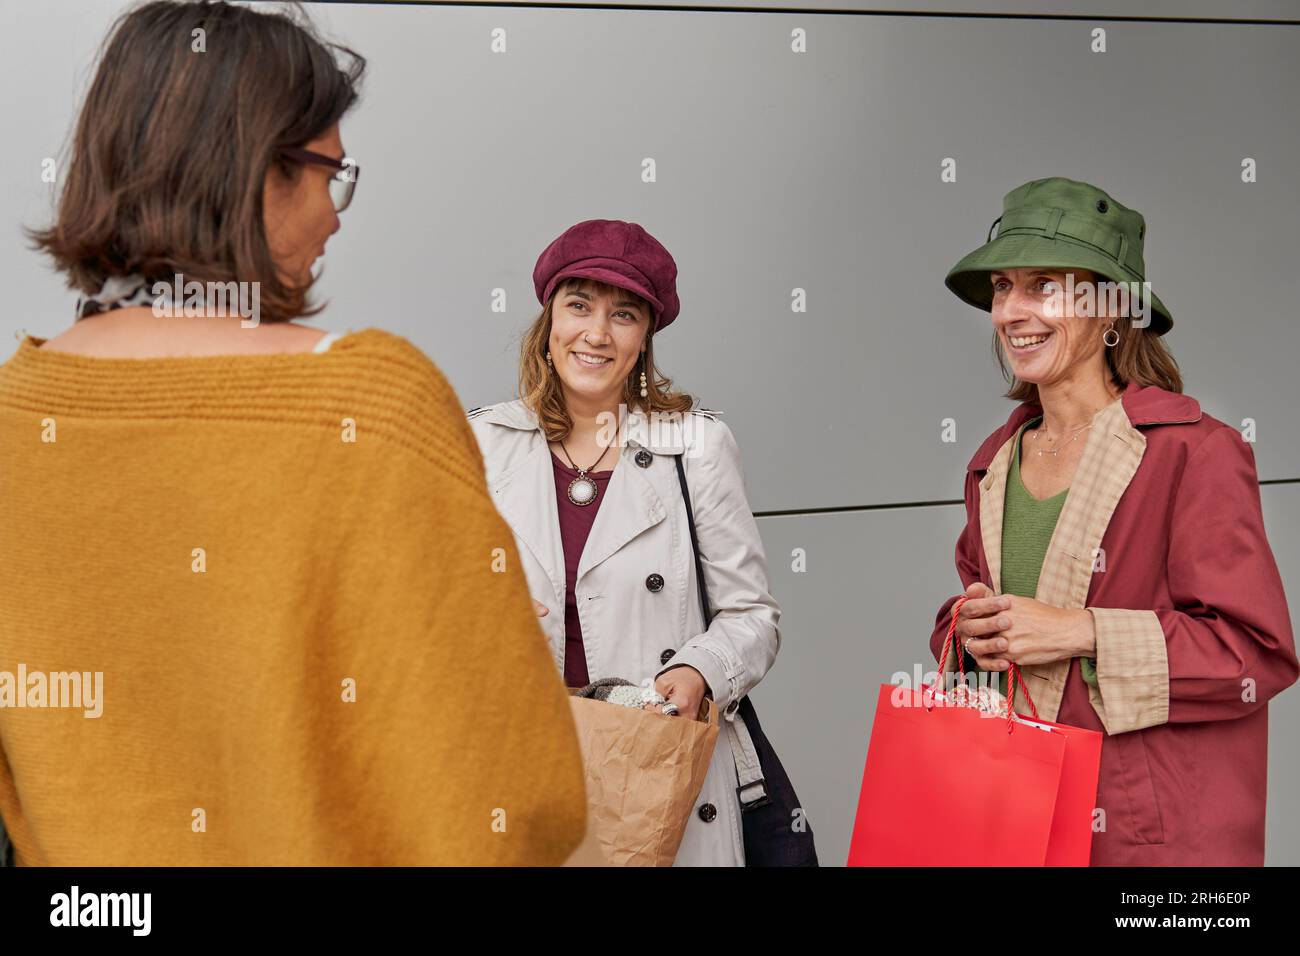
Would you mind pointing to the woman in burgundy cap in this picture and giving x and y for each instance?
(582, 468)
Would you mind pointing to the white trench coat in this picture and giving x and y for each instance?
(628, 629)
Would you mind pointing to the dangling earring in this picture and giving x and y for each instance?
(549, 363)
(1106, 336)
(644, 393)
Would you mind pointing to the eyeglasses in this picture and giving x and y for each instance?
(344, 181)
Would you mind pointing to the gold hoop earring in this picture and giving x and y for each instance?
(1106, 336)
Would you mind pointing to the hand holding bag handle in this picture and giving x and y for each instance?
(1014, 677)
(767, 819)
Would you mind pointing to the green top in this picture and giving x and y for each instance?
(1027, 526)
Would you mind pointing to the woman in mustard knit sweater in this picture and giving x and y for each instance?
(249, 611)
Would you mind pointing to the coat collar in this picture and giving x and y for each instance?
(1143, 405)
(631, 504)
(662, 434)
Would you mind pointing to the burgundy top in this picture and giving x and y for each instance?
(575, 525)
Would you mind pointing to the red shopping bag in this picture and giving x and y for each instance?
(948, 785)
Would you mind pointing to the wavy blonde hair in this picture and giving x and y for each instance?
(539, 386)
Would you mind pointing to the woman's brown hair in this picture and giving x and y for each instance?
(1139, 356)
(174, 141)
(539, 386)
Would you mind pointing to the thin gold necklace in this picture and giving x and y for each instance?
(1055, 452)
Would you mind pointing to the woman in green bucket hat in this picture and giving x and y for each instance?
(1114, 547)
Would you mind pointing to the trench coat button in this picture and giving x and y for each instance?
(733, 706)
(655, 582)
(1102, 205)
(643, 458)
(666, 656)
(708, 812)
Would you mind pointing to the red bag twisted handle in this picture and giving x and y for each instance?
(1014, 677)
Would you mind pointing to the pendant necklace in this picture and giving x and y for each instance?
(582, 490)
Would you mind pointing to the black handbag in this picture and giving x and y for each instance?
(772, 837)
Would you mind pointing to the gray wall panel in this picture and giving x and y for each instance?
(1282, 519)
(860, 612)
(1212, 9)
(775, 171)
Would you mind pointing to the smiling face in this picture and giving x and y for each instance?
(1042, 345)
(299, 212)
(597, 336)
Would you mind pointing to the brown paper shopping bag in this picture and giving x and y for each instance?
(644, 771)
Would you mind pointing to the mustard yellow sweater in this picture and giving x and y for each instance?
(314, 638)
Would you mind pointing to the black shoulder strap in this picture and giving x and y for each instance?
(695, 544)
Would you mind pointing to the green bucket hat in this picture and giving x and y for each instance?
(1059, 224)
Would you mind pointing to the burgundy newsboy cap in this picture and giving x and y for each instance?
(620, 253)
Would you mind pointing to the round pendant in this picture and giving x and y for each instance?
(582, 491)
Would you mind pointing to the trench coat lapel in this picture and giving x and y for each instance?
(631, 505)
(525, 497)
(1111, 456)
